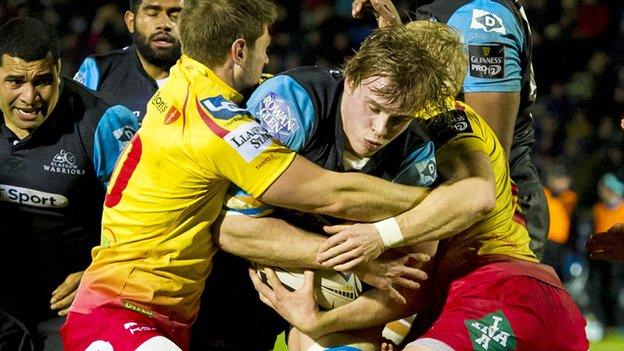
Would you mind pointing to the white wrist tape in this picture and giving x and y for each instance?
(390, 232)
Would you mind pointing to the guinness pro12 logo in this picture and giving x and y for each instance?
(487, 61)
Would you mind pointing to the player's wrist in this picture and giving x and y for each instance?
(390, 233)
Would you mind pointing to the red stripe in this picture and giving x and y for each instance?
(210, 123)
(519, 218)
(128, 167)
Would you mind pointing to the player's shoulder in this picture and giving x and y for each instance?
(313, 74)
(88, 111)
(121, 59)
(115, 55)
(486, 18)
(81, 99)
(459, 120)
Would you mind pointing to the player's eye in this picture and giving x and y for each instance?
(374, 109)
(174, 15)
(13, 82)
(152, 12)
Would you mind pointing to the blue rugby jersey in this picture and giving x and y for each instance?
(119, 78)
(301, 109)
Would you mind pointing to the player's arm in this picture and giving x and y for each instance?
(113, 132)
(608, 245)
(268, 240)
(88, 74)
(493, 89)
(373, 308)
(307, 187)
(274, 242)
(467, 197)
(499, 109)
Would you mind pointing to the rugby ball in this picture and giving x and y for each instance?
(332, 289)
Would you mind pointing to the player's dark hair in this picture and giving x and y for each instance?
(209, 27)
(28, 39)
(134, 5)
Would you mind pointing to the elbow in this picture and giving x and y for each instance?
(486, 201)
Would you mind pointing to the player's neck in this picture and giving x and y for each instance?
(155, 72)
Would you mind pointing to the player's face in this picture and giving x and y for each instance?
(29, 92)
(368, 121)
(255, 60)
(155, 31)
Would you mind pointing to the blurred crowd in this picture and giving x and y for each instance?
(578, 56)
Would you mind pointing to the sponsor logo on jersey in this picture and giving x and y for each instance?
(487, 61)
(428, 172)
(276, 116)
(31, 197)
(134, 327)
(123, 136)
(249, 140)
(443, 128)
(422, 173)
(172, 115)
(64, 162)
(135, 308)
(487, 21)
(265, 160)
(158, 102)
(221, 108)
(492, 332)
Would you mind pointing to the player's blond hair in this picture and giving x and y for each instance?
(424, 63)
(209, 27)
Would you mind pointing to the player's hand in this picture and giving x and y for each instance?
(608, 245)
(391, 270)
(349, 246)
(298, 307)
(384, 10)
(388, 345)
(64, 294)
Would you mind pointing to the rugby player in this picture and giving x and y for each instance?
(142, 288)
(131, 76)
(340, 126)
(59, 143)
(499, 84)
(488, 289)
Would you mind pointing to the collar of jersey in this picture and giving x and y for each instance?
(196, 70)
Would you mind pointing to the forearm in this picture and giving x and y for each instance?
(371, 199)
(359, 197)
(375, 307)
(448, 210)
(269, 241)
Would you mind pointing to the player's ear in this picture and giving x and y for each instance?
(129, 19)
(348, 82)
(237, 51)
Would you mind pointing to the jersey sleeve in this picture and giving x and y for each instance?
(88, 74)
(455, 131)
(113, 132)
(240, 149)
(494, 41)
(284, 108)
